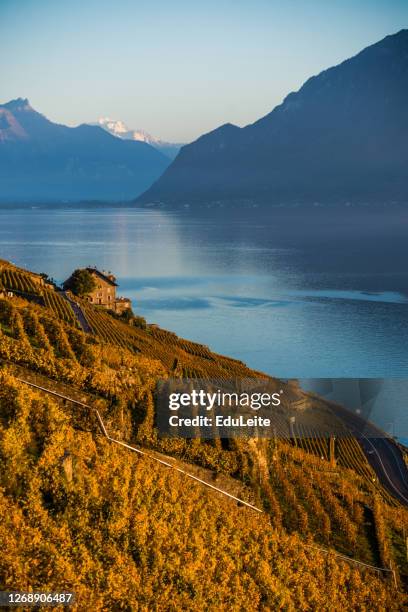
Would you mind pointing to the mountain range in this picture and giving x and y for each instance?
(342, 138)
(42, 160)
(121, 130)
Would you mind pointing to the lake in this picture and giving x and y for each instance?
(307, 294)
(295, 293)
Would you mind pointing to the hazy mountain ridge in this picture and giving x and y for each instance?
(340, 138)
(40, 159)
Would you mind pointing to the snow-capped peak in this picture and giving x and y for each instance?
(121, 130)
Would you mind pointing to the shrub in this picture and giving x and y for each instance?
(80, 282)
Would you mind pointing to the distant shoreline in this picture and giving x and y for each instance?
(73, 204)
(200, 207)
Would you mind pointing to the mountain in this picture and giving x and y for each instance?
(341, 138)
(121, 130)
(44, 160)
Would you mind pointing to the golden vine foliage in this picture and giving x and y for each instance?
(81, 514)
(125, 534)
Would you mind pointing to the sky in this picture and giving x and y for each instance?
(178, 68)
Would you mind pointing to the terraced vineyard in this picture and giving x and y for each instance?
(60, 307)
(180, 358)
(293, 476)
(189, 359)
(315, 445)
(22, 283)
(346, 450)
(115, 529)
(15, 280)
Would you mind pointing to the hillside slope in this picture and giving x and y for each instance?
(125, 534)
(84, 514)
(340, 138)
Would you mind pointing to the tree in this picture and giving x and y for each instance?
(48, 279)
(81, 282)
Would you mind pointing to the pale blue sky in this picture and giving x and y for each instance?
(181, 68)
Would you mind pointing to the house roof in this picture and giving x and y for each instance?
(108, 278)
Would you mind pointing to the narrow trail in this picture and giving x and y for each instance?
(78, 312)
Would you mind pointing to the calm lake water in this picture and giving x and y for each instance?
(312, 294)
(307, 294)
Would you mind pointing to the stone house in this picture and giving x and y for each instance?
(104, 293)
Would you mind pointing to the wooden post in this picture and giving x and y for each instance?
(67, 466)
(395, 579)
(332, 451)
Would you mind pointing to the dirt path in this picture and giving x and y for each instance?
(78, 312)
